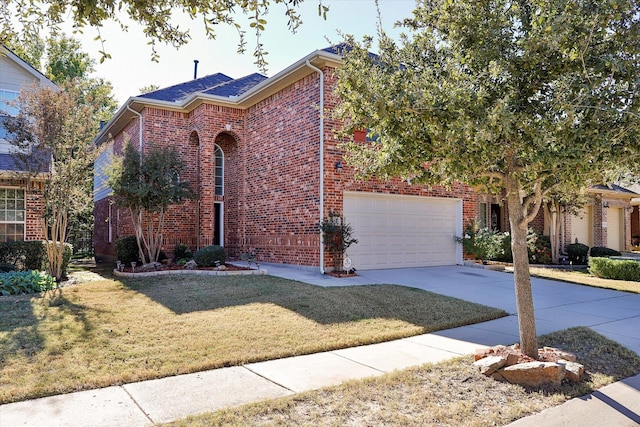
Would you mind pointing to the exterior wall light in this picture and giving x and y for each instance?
(338, 166)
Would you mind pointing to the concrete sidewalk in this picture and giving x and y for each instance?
(558, 306)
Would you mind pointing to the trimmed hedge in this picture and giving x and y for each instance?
(601, 251)
(26, 255)
(615, 269)
(578, 253)
(126, 249)
(207, 256)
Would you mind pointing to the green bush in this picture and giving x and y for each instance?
(490, 245)
(182, 251)
(577, 253)
(207, 256)
(615, 269)
(126, 249)
(26, 255)
(601, 251)
(539, 248)
(25, 282)
(6, 267)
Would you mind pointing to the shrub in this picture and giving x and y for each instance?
(25, 282)
(182, 251)
(26, 255)
(207, 256)
(489, 245)
(126, 249)
(486, 244)
(6, 267)
(601, 251)
(616, 269)
(539, 248)
(577, 253)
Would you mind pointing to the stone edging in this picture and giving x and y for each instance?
(196, 272)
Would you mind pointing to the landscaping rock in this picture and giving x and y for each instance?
(152, 266)
(490, 364)
(481, 353)
(534, 374)
(222, 267)
(191, 265)
(511, 365)
(575, 371)
(512, 359)
(554, 353)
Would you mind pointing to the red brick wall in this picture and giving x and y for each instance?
(271, 194)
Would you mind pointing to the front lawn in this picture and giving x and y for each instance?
(583, 277)
(105, 332)
(450, 393)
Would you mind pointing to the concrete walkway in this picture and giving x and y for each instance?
(558, 306)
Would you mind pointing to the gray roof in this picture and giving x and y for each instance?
(613, 187)
(215, 84)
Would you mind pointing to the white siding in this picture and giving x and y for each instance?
(101, 189)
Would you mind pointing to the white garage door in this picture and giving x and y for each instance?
(403, 231)
(582, 226)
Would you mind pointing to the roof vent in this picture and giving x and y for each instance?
(195, 69)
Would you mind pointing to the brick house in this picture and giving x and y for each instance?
(20, 207)
(267, 167)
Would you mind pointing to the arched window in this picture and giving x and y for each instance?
(219, 172)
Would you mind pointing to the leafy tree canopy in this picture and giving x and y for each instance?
(157, 18)
(523, 97)
(147, 186)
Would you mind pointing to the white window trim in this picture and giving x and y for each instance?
(24, 221)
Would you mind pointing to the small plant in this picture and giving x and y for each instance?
(25, 282)
(539, 248)
(338, 237)
(601, 251)
(126, 249)
(182, 252)
(486, 244)
(209, 255)
(578, 253)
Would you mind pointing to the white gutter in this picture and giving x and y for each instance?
(139, 130)
(319, 71)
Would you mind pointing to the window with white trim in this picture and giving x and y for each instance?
(12, 214)
(219, 172)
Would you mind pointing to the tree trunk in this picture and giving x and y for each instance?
(553, 212)
(522, 278)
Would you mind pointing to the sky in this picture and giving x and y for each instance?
(130, 67)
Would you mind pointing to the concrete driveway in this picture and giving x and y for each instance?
(557, 305)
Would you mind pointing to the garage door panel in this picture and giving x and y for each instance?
(402, 231)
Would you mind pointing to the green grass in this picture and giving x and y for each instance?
(450, 393)
(583, 277)
(101, 332)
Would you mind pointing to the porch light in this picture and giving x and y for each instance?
(338, 166)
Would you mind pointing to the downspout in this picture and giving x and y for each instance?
(319, 71)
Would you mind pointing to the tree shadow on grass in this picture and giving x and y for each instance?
(187, 294)
(20, 332)
(19, 335)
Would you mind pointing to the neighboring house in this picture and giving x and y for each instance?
(266, 164)
(20, 208)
